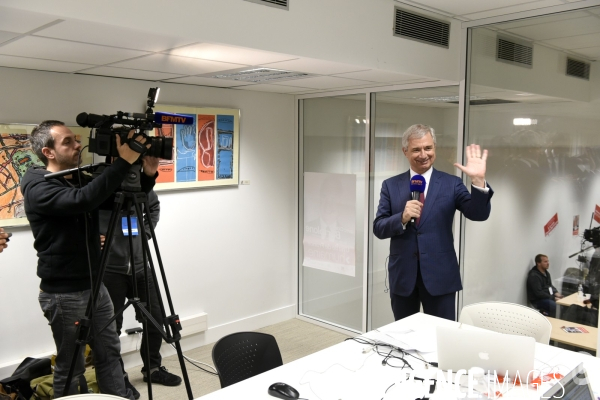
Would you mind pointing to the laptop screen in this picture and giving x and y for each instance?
(574, 386)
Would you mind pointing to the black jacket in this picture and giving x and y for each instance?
(538, 285)
(118, 256)
(60, 212)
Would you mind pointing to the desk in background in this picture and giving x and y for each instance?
(588, 341)
(345, 372)
(572, 299)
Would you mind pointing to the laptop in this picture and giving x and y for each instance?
(574, 386)
(465, 348)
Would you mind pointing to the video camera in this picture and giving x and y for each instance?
(592, 236)
(103, 139)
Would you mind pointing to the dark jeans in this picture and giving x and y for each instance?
(62, 310)
(546, 307)
(443, 306)
(120, 288)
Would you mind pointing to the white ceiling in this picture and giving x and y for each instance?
(57, 43)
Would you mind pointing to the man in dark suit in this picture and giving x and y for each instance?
(423, 267)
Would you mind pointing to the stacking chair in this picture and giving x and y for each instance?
(509, 318)
(243, 355)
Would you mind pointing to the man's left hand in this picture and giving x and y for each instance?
(558, 296)
(476, 165)
(150, 165)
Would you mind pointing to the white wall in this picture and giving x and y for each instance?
(228, 251)
(355, 32)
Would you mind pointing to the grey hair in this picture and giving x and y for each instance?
(41, 137)
(417, 131)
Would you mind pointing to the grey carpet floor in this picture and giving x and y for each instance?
(295, 338)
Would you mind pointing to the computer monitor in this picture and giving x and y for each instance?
(574, 386)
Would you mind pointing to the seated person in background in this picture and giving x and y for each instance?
(540, 291)
(593, 280)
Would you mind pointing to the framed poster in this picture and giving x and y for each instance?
(16, 156)
(205, 153)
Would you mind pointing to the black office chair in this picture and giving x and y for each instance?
(243, 355)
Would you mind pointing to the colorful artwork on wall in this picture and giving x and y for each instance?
(205, 153)
(16, 156)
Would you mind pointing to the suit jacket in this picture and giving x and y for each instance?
(432, 242)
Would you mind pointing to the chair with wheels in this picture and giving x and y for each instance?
(243, 355)
(510, 318)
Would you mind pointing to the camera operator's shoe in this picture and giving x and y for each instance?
(162, 377)
(129, 386)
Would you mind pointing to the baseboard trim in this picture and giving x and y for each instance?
(210, 335)
(214, 333)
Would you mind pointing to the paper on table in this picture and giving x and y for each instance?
(423, 340)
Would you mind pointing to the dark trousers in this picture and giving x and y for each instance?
(443, 306)
(120, 288)
(546, 307)
(62, 310)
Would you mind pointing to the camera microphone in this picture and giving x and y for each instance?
(417, 186)
(89, 120)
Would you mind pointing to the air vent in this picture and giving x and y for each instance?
(578, 69)
(283, 4)
(514, 51)
(487, 102)
(418, 27)
(257, 75)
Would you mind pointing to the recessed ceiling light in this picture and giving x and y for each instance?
(524, 121)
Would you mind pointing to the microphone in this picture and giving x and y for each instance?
(417, 186)
(90, 120)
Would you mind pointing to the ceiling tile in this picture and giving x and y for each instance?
(239, 55)
(374, 75)
(265, 87)
(61, 50)
(314, 66)
(129, 73)
(544, 19)
(175, 65)
(42, 65)
(575, 42)
(108, 35)
(4, 36)
(198, 80)
(512, 9)
(19, 21)
(463, 7)
(557, 29)
(325, 82)
(590, 52)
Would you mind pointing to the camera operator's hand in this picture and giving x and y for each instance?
(3, 240)
(125, 152)
(150, 165)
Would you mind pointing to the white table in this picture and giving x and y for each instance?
(344, 371)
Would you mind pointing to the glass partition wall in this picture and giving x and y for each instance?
(535, 104)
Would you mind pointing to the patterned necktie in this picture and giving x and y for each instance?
(422, 200)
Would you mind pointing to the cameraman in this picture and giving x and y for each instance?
(63, 214)
(119, 283)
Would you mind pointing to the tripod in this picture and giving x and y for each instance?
(170, 326)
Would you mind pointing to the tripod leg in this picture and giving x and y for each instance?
(85, 322)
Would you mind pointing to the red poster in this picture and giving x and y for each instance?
(166, 168)
(206, 147)
(551, 224)
(597, 214)
(576, 225)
